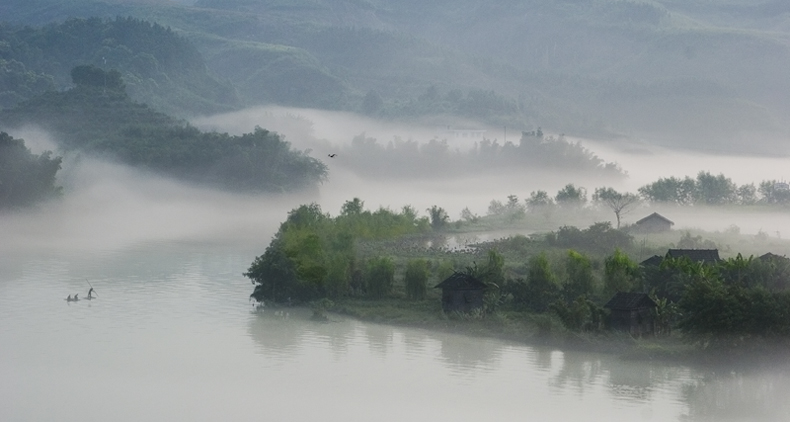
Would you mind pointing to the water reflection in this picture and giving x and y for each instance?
(752, 396)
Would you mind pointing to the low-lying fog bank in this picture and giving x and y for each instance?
(113, 205)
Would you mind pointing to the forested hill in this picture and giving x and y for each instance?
(686, 73)
(97, 116)
(160, 68)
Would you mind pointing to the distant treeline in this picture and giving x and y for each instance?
(25, 178)
(159, 67)
(401, 158)
(97, 116)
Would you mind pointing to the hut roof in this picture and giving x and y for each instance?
(771, 256)
(461, 281)
(654, 260)
(655, 215)
(627, 301)
(696, 255)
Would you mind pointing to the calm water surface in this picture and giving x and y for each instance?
(172, 337)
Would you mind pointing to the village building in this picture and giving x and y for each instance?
(632, 313)
(654, 223)
(461, 293)
(706, 256)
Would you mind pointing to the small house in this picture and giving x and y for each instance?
(705, 256)
(461, 293)
(654, 223)
(632, 312)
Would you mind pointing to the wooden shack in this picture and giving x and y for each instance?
(653, 223)
(461, 293)
(632, 313)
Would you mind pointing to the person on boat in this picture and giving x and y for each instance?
(69, 299)
(75, 297)
(90, 292)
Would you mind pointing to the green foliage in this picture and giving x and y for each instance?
(580, 279)
(599, 238)
(25, 178)
(687, 241)
(380, 277)
(571, 197)
(159, 67)
(314, 255)
(621, 274)
(539, 290)
(410, 158)
(717, 314)
(439, 217)
(92, 119)
(415, 279)
(88, 75)
(581, 315)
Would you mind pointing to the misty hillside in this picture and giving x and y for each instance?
(98, 117)
(159, 67)
(689, 73)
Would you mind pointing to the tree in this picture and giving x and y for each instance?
(541, 287)
(89, 75)
(670, 190)
(352, 208)
(380, 277)
(714, 190)
(618, 202)
(572, 197)
(580, 279)
(25, 178)
(415, 279)
(620, 273)
(439, 217)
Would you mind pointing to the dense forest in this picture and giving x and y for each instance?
(158, 66)
(687, 74)
(97, 116)
(436, 158)
(25, 178)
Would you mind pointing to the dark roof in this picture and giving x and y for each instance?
(771, 256)
(696, 255)
(655, 215)
(461, 281)
(628, 301)
(654, 260)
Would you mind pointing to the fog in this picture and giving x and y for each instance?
(114, 205)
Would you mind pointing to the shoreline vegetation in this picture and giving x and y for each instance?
(545, 289)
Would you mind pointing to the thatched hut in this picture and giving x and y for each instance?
(461, 293)
(632, 312)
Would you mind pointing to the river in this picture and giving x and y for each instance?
(172, 336)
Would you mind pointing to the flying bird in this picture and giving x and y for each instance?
(332, 155)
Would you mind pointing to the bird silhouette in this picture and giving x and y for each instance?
(332, 155)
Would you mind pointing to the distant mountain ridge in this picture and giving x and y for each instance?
(685, 73)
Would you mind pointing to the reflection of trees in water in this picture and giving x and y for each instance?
(280, 337)
(628, 380)
(416, 341)
(542, 357)
(379, 338)
(462, 353)
(578, 370)
(759, 396)
(283, 337)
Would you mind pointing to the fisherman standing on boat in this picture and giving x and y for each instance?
(90, 292)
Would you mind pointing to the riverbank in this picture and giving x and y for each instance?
(546, 331)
